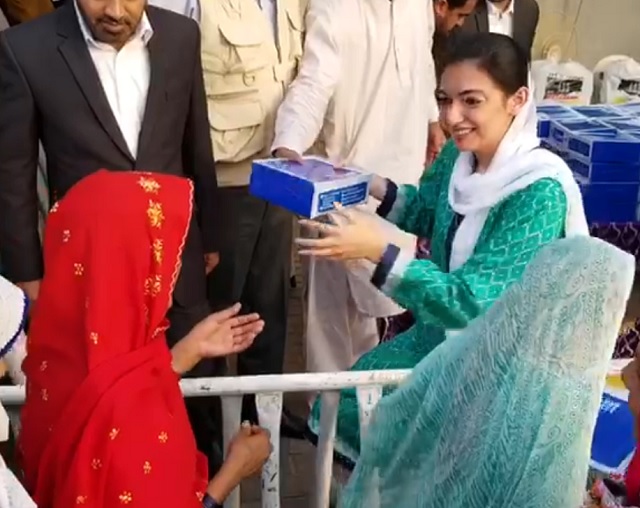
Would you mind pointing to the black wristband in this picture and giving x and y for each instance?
(209, 502)
(389, 199)
(384, 267)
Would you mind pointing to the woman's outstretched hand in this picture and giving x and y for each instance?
(353, 235)
(220, 334)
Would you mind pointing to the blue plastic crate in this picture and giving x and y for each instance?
(609, 202)
(604, 172)
(623, 124)
(598, 111)
(561, 130)
(605, 146)
(544, 125)
(557, 111)
(628, 109)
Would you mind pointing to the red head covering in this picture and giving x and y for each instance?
(104, 424)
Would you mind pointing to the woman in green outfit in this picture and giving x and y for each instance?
(488, 204)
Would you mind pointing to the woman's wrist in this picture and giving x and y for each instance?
(184, 355)
(377, 251)
(223, 483)
(378, 187)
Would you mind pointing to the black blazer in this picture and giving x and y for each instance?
(526, 14)
(50, 90)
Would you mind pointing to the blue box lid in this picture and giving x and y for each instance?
(312, 169)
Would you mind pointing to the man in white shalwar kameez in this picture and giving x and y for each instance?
(366, 91)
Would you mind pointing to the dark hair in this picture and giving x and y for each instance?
(457, 4)
(496, 54)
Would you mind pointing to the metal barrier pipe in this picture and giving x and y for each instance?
(269, 390)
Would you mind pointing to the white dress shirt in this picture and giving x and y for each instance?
(270, 9)
(500, 22)
(124, 76)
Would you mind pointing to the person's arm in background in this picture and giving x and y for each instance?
(198, 162)
(436, 138)
(301, 114)
(20, 249)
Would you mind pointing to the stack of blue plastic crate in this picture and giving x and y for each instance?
(601, 144)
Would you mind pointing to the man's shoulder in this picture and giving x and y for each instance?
(32, 33)
(532, 5)
(178, 24)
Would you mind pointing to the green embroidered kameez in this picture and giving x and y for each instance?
(513, 233)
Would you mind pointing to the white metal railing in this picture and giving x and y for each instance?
(269, 392)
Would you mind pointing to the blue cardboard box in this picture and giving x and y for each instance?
(613, 440)
(603, 172)
(605, 146)
(309, 189)
(562, 130)
(609, 202)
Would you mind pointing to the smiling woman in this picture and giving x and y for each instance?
(489, 203)
(480, 95)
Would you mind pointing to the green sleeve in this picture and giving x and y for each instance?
(526, 221)
(414, 208)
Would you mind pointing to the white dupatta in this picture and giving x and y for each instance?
(518, 162)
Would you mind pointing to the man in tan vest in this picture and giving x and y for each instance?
(251, 50)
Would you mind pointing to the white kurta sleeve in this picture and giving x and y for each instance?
(301, 114)
(431, 81)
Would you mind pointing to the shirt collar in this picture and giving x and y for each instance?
(494, 11)
(144, 31)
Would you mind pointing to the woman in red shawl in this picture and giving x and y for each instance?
(104, 423)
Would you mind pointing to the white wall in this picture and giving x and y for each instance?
(603, 27)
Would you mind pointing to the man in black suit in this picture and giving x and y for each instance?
(109, 84)
(515, 18)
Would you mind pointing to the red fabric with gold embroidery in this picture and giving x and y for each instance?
(104, 423)
(632, 479)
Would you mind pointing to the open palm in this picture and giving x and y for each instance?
(224, 333)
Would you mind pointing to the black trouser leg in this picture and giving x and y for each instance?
(255, 266)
